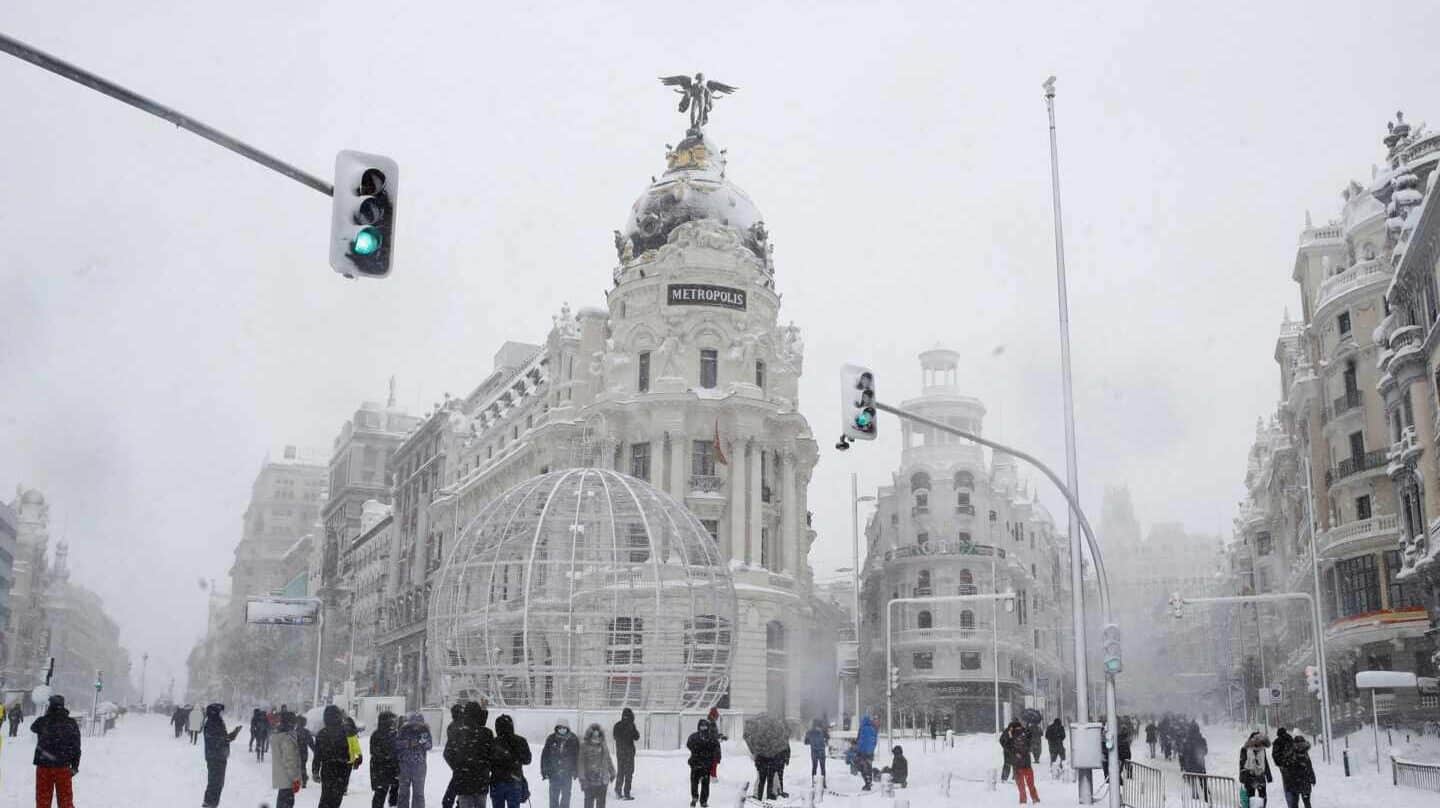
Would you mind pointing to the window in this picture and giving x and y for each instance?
(640, 461)
(1402, 595)
(922, 500)
(702, 458)
(1362, 507)
(923, 660)
(1343, 324)
(967, 619)
(924, 620)
(709, 368)
(967, 583)
(760, 373)
(1359, 585)
(1263, 543)
(642, 382)
(624, 647)
(712, 526)
(922, 584)
(962, 499)
(964, 479)
(637, 544)
(969, 660)
(1357, 447)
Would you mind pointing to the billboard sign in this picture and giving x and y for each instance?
(282, 611)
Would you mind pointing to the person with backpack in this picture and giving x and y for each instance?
(1255, 766)
(1296, 772)
(57, 754)
(412, 744)
(704, 748)
(384, 765)
(560, 763)
(1017, 757)
(1055, 738)
(819, 742)
(596, 769)
(509, 756)
(467, 751)
(217, 752)
(286, 770)
(332, 757)
(625, 735)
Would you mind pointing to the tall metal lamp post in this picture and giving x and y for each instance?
(855, 500)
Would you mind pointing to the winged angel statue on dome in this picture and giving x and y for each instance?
(697, 96)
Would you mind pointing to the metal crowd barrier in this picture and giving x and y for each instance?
(1209, 791)
(1424, 776)
(1142, 786)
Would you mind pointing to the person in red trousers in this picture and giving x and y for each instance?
(1017, 755)
(57, 754)
(714, 718)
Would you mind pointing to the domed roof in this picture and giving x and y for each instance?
(32, 497)
(575, 580)
(693, 187)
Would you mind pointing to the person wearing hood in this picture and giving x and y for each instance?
(286, 770)
(1017, 757)
(352, 741)
(509, 755)
(57, 754)
(217, 752)
(818, 739)
(865, 741)
(704, 746)
(625, 735)
(1055, 739)
(467, 750)
(714, 718)
(595, 767)
(1296, 771)
(258, 728)
(332, 757)
(195, 723)
(560, 762)
(457, 712)
(306, 742)
(1151, 736)
(899, 768)
(15, 713)
(384, 766)
(1255, 765)
(412, 743)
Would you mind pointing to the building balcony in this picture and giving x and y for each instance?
(1405, 450)
(1362, 274)
(1351, 400)
(968, 510)
(1405, 344)
(1345, 539)
(1380, 626)
(706, 484)
(1374, 459)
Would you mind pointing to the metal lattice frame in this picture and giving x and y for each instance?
(584, 588)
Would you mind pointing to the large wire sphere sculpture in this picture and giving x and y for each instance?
(584, 588)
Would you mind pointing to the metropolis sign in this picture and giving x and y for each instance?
(704, 294)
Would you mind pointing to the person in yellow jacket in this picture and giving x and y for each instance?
(352, 742)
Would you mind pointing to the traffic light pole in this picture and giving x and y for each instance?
(79, 75)
(1102, 580)
(1177, 601)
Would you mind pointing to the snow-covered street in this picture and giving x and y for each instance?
(141, 764)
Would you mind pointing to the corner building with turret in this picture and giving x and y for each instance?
(685, 378)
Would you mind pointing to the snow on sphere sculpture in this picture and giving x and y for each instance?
(584, 588)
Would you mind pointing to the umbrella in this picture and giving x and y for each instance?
(767, 736)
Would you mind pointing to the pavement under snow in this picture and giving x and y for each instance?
(140, 763)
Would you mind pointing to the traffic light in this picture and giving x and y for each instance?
(894, 678)
(1177, 605)
(362, 218)
(1110, 644)
(857, 402)
(1312, 679)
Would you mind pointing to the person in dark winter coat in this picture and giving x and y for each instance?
(57, 754)
(457, 712)
(560, 762)
(384, 765)
(15, 714)
(1055, 739)
(412, 743)
(332, 757)
(259, 733)
(899, 768)
(717, 736)
(1296, 771)
(217, 752)
(467, 751)
(1004, 756)
(177, 720)
(1255, 765)
(1017, 755)
(819, 742)
(704, 746)
(509, 755)
(1151, 736)
(595, 769)
(625, 735)
(306, 742)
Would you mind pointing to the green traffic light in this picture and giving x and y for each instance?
(366, 242)
(864, 420)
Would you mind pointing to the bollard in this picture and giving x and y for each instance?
(902, 803)
(1346, 755)
(887, 786)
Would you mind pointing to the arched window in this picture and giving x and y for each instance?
(922, 500)
(962, 502)
(964, 479)
(967, 583)
(922, 584)
(919, 481)
(967, 619)
(924, 620)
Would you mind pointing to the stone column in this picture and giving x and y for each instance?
(679, 469)
(752, 480)
(1420, 401)
(789, 514)
(739, 549)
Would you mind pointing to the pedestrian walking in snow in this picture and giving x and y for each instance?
(625, 735)
(332, 757)
(818, 739)
(560, 762)
(1296, 771)
(1004, 740)
(1017, 756)
(15, 713)
(704, 748)
(384, 765)
(286, 770)
(1255, 766)
(456, 715)
(306, 742)
(865, 740)
(412, 744)
(1055, 738)
(259, 734)
(217, 752)
(57, 754)
(714, 718)
(509, 756)
(195, 723)
(899, 768)
(467, 750)
(1151, 733)
(596, 768)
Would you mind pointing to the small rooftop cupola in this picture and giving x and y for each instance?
(939, 371)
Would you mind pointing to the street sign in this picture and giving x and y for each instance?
(1272, 695)
(282, 611)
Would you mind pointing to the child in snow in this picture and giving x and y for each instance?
(899, 768)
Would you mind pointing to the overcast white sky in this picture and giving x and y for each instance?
(169, 314)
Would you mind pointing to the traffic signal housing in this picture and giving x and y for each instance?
(857, 402)
(894, 678)
(1110, 645)
(1312, 679)
(362, 219)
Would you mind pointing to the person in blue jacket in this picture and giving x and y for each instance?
(865, 749)
(819, 742)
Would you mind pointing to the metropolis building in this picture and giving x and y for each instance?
(686, 378)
